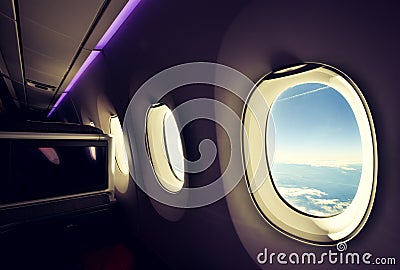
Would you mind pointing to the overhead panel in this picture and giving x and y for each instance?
(74, 69)
(6, 8)
(11, 88)
(10, 61)
(109, 15)
(112, 11)
(19, 92)
(52, 32)
(9, 48)
(45, 42)
(38, 98)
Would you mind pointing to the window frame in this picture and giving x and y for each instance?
(157, 148)
(276, 211)
(66, 139)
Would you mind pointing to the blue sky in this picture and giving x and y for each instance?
(314, 125)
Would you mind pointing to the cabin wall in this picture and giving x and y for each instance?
(253, 37)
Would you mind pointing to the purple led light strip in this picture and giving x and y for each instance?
(119, 20)
(122, 16)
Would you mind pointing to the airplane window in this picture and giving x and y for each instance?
(310, 153)
(120, 152)
(318, 155)
(165, 147)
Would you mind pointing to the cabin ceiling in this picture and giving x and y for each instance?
(44, 42)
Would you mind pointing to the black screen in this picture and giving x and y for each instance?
(41, 169)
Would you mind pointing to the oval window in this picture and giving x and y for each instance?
(164, 147)
(310, 153)
(317, 159)
(120, 152)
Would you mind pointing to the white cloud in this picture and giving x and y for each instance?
(345, 166)
(348, 168)
(296, 192)
(331, 163)
(311, 201)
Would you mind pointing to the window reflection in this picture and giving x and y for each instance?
(92, 151)
(50, 154)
